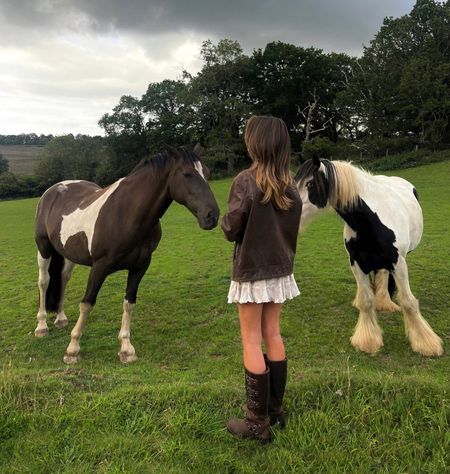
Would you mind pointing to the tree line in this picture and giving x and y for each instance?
(392, 99)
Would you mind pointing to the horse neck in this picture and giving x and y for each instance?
(150, 193)
(350, 181)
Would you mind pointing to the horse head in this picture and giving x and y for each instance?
(315, 182)
(188, 186)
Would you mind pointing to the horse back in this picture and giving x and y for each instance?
(395, 202)
(63, 199)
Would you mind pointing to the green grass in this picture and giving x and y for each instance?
(348, 412)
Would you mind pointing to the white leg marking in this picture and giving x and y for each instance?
(44, 278)
(127, 353)
(61, 318)
(420, 334)
(367, 336)
(73, 349)
(382, 297)
(83, 220)
(198, 166)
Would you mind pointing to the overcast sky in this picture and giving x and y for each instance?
(64, 63)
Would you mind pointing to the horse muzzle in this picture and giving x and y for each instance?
(208, 220)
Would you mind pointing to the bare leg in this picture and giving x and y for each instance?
(250, 316)
(420, 334)
(382, 296)
(96, 278)
(43, 281)
(61, 318)
(271, 331)
(367, 336)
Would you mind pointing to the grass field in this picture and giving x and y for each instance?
(348, 412)
(22, 158)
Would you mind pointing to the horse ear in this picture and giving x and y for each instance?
(198, 149)
(316, 161)
(172, 150)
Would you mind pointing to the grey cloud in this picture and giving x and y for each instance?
(338, 25)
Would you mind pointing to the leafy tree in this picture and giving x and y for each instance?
(288, 76)
(220, 100)
(169, 118)
(4, 164)
(67, 157)
(401, 84)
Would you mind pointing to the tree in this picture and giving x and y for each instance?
(219, 100)
(4, 164)
(169, 118)
(401, 84)
(127, 138)
(288, 76)
(67, 157)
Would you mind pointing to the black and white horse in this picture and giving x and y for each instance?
(383, 223)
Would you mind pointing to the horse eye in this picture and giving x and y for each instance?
(309, 184)
(188, 174)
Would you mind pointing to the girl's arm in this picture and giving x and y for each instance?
(235, 221)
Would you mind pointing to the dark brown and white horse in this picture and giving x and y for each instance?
(110, 229)
(383, 223)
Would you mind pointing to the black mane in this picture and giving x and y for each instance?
(160, 161)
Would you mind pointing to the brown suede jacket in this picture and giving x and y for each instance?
(266, 237)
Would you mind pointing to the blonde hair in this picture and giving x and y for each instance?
(269, 146)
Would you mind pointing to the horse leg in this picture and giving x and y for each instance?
(127, 353)
(367, 336)
(420, 334)
(97, 276)
(43, 281)
(61, 318)
(382, 297)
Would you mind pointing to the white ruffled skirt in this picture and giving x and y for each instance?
(275, 290)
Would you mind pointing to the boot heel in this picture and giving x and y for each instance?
(280, 419)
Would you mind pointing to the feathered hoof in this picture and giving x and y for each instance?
(370, 346)
(126, 358)
(388, 307)
(71, 359)
(61, 323)
(430, 348)
(41, 332)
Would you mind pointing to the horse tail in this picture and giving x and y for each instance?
(53, 295)
(392, 287)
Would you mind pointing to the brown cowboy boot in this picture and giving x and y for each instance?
(256, 423)
(278, 375)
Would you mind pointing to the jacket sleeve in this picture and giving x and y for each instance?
(234, 221)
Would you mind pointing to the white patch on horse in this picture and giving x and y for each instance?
(84, 220)
(199, 168)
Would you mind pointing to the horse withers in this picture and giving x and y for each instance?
(383, 223)
(110, 229)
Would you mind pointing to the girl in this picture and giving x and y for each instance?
(263, 220)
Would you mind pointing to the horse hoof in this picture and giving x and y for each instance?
(127, 358)
(61, 323)
(71, 359)
(388, 308)
(368, 346)
(41, 332)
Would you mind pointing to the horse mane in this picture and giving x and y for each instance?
(159, 162)
(342, 179)
(347, 189)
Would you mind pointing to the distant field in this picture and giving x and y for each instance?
(22, 158)
(348, 412)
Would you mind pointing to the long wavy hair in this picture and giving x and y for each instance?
(269, 146)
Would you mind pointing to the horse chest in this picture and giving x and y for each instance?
(368, 241)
